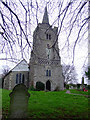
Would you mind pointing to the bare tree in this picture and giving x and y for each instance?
(5, 70)
(70, 74)
(18, 20)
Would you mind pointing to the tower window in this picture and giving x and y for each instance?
(48, 36)
(48, 73)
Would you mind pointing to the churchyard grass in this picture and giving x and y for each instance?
(80, 92)
(56, 105)
(5, 102)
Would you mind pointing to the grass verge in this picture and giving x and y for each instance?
(51, 105)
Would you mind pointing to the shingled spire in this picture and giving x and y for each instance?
(45, 17)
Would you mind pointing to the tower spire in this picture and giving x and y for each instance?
(45, 17)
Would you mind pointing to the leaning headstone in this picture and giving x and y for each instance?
(19, 102)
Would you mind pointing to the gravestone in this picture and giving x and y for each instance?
(19, 102)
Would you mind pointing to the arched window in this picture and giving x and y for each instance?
(20, 78)
(48, 36)
(23, 79)
(16, 78)
(46, 72)
(49, 73)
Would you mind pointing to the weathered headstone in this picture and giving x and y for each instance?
(19, 102)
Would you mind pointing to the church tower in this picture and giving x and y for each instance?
(45, 62)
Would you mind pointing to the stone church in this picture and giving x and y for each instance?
(45, 62)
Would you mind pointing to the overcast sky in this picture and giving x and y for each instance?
(81, 50)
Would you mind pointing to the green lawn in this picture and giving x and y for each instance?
(48, 105)
(80, 92)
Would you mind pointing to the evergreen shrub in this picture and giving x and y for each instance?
(67, 86)
(40, 86)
